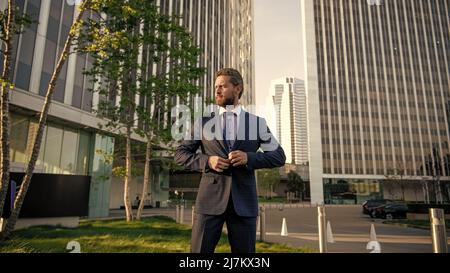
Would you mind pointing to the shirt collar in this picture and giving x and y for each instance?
(237, 110)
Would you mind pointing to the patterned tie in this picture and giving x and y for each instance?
(229, 129)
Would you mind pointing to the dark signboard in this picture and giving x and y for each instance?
(51, 195)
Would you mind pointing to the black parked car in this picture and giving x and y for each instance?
(369, 205)
(390, 211)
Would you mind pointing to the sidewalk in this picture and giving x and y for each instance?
(301, 205)
(169, 212)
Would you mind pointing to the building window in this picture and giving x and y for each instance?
(19, 139)
(64, 150)
(26, 51)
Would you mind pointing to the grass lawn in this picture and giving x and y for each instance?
(272, 200)
(158, 234)
(422, 224)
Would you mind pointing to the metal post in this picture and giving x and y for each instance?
(322, 229)
(181, 214)
(177, 214)
(192, 216)
(2, 224)
(262, 223)
(438, 231)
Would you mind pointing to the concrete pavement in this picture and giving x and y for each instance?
(351, 231)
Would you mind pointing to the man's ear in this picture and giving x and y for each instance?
(240, 91)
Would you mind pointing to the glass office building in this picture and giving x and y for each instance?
(377, 81)
(73, 138)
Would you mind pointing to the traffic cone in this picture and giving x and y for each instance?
(330, 238)
(373, 245)
(373, 234)
(284, 231)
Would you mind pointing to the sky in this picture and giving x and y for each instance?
(278, 47)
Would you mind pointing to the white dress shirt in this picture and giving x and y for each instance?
(232, 123)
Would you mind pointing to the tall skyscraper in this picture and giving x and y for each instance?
(377, 81)
(222, 29)
(289, 99)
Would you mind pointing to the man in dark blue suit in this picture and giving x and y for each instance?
(239, 143)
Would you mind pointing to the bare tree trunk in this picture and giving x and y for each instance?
(147, 180)
(439, 188)
(5, 158)
(42, 121)
(415, 193)
(402, 185)
(448, 192)
(128, 177)
(436, 191)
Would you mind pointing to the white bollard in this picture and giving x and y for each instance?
(438, 231)
(373, 245)
(262, 224)
(322, 229)
(373, 234)
(330, 237)
(181, 214)
(284, 231)
(177, 214)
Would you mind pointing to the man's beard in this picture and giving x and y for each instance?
(229, 101)
(226, 102)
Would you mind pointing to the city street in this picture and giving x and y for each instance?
(351, 230)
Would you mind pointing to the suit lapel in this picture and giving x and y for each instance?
(218, 131)
(212, 131)
(220, 140)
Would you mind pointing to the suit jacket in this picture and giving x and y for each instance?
(262, 149)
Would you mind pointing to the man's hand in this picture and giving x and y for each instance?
(218, 164)
(238, 158)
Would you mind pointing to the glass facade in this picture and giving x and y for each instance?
(383, 79)
(224, 32)
(59, 22)
(289, 99)
(222, 29)
(25, 60)
(19, 148)
(351, 191)
(64, 150)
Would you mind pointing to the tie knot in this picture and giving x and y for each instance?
(229, 116)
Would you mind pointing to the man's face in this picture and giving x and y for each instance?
(226, 92)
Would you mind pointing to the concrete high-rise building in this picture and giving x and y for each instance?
(289, 99)
(72, 134)
(377, 81)
(223, 30)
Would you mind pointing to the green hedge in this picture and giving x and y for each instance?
(425, 208)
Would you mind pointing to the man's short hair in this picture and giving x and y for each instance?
(235, 77)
